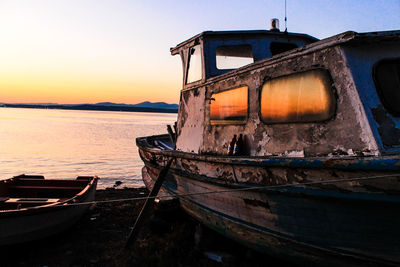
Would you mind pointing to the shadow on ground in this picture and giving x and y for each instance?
(167, 239)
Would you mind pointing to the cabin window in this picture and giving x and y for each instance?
(387, 82)
(233, 56)
(280, 47)
(229, 107)
(301, 97)
(195, 65)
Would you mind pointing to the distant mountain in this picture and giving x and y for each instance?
(148, 104)
(145, 104)
(110, 104)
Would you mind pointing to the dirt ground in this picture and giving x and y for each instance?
(168, 238)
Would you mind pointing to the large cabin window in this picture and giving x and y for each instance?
(195, 65)
(301, 97)
(229, 107)
(387, 82)
(233, 56)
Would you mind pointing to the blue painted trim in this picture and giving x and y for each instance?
(352, 164)
(348, 163)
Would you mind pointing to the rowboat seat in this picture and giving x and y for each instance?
(43, 191)
(16, 203)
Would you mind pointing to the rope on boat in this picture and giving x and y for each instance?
(230, 190)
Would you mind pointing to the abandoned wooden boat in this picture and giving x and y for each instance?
(316, 173)
(32, 207)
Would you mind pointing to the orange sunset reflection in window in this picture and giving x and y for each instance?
(302, 97)
(229, 107)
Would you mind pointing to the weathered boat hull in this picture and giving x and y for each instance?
(28, 224)
(353, 219)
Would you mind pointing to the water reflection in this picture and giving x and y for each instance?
(67, 143)
(302, 97)
(229, 106)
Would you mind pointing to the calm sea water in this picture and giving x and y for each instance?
(68, 143)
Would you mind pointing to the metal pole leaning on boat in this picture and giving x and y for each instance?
(148, 204)
(172, 135)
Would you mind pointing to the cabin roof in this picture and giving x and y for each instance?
(240, 34)
(349, 36)
(354, 37)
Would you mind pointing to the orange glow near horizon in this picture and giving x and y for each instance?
(79, 52)
(84, 90)
(87, 85)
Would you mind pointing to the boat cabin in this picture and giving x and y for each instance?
(290, 95)
(213, 53)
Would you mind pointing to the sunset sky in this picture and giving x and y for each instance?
(84, 51)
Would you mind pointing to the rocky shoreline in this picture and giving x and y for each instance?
(169, 238)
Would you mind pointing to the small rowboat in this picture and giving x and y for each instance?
(32, 207)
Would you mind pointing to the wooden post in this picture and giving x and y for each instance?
(148, 204)
(172, 135)
(175, 129)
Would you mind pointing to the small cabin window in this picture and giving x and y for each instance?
(300, 97)
(387, 82)
(229, 107)
(195, 65)
(233, 56)
(280, 47)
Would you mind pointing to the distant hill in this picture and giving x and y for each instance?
(148, 104)
(145, 104)
(106, 106)
(110, 104)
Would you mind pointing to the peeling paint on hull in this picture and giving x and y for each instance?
(306, 222)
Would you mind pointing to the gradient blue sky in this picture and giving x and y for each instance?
(88, 51)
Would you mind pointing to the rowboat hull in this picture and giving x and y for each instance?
(37, 222)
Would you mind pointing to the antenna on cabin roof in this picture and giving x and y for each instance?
(285, 18)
